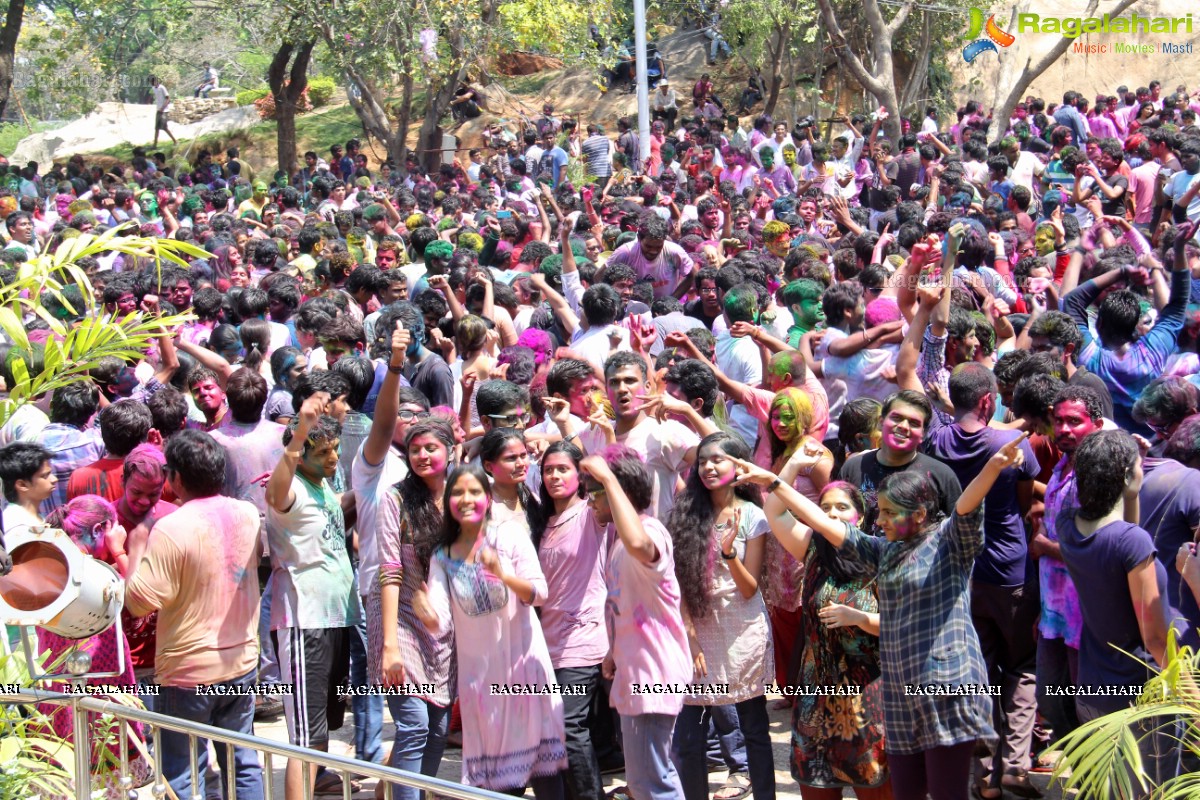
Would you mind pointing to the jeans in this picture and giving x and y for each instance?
(583, 777)
(1057, 665)
(717, 43)
(690, 738)
(268, 663)
(367, 709)
(1004, 618)
(233, 713)
(726, 745)
(649, 770)
(420, 738)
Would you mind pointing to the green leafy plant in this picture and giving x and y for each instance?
(249, 96)
(34, 760)
(320, 91)
(1102, 756)
(73, 350)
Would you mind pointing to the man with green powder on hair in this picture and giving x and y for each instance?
(434, 261)
(738, 356)
(803, 299)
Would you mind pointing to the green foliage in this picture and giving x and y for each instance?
(70, 353)
(249, 96)
(1102, 756)
(320, 90)
(11, 133)
(34, 760)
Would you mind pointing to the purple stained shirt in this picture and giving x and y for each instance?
(1002, 562)
(1169, 502)
(672, 265)
(1061, 617)
(1111, 634)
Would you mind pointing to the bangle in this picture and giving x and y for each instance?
(728, 556)
(867, 334)
(774, 485)
(394, 370)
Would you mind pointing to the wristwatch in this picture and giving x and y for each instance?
(728, 556)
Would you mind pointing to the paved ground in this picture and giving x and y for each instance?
(343, 744)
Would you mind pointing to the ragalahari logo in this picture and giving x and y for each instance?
(995, 36)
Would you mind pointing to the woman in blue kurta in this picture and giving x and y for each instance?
(934, 679)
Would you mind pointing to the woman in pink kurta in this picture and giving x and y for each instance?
(91, 522)
(486, 579)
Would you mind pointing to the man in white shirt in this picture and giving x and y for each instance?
(162, 106)
(663, 104)
(738, 356)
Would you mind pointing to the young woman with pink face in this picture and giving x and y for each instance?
(91, 522)
(505, 458)
(401, 652)
(509, 740)
(571, 549)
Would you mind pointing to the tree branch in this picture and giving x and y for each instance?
(1032, 72)
(842, 49)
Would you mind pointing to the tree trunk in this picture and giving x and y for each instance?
(918, 76)
(368, 102)
(783, 36)
(8, 49)
(1032, 71)
(287, 87)
(879, 80)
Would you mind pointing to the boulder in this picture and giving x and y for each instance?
(113, 124)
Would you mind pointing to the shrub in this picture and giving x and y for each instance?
(320, 91)
(245, 98)
(266, 105)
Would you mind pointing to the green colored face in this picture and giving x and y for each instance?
(260, 190)
(811, 313)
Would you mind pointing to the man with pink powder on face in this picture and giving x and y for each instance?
(667, 446)
(904, 421)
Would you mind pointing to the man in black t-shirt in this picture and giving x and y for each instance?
(1103, 180)
(908, 166)
(903, 422)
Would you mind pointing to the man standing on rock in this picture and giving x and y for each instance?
(162, 105)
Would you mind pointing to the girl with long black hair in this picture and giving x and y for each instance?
(505, 458)
(718, 527)
(571, 548)
(403, 654)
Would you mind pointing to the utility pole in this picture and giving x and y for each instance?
(643, 87)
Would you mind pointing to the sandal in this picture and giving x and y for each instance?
(736, 786)
(330, 783)
(978, 789)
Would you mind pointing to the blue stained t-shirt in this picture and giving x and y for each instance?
(1100, 565)
(1005, 550)
(1169, 504)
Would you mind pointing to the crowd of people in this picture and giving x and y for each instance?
(595, 455)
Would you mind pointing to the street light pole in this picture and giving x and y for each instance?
(643, 87)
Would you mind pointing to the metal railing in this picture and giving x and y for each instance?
(269, 750)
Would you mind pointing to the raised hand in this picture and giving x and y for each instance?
(312, 409)
(401, 339)
(558, 410)
(1010, 455)
(749, 472)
